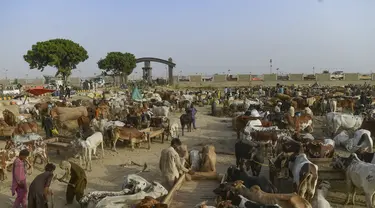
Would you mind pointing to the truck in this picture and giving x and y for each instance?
(10, 90)
(337, 75)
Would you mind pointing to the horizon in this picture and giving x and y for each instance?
(205, 37)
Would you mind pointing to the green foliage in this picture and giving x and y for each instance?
(117, 63)
(62, 54)
(325, 72)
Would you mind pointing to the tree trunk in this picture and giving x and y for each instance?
(125, 78)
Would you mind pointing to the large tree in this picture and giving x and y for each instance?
(118, 64)
(62, 54)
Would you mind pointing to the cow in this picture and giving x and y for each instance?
(241, 122)
(242, 202)
(156, 191)
(150, 202)
(133, 135)
(300, 123)
(345, 121)
(305, 173)
(162, 111)
(320, 148)
(361, 139)
(359, 175)
(346, 104)
(234, 174)
(248, 152)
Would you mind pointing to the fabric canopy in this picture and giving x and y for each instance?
(136, 95)
(39, 91)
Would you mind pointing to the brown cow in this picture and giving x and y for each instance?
(133, 135)
(319, 149)
(346, 104)
(300, 123)
(149, 202)
(84, 123)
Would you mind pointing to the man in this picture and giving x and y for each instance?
(170, 164)
(47, 125)
(77, 183)
(67, 90)
(39, 188)
(19, 185)
(193, 112)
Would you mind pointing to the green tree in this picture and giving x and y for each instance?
(118, 64)
(62, 54)
(325, 72)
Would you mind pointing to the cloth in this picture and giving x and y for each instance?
(48, 126)
(170, 165)
(19, 177)
(79, 179)
(36, 196)
(193, 121)
(291, 111)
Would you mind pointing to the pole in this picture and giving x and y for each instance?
(270, 66)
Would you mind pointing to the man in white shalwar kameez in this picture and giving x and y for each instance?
(170, 164)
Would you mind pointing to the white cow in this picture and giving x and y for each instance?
(345, 121)
(319, 200)
(133, 183)
(362, 139)
(333, 105)
(173, 130)
(341, 139)
(156, 190)
(88, 147)
(359, 175)
(160, 111)
(195, 160)
(308, 188)
(256, 125)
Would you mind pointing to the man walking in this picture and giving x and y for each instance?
(19, 185)
(39, 188)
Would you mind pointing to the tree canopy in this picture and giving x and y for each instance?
(62, 54)
(118, 64)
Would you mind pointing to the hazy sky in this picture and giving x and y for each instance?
(202, 36)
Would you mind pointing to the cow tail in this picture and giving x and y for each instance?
(305, 180)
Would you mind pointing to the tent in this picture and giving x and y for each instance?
(136, 95)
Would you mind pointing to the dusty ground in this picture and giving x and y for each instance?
(108, 173)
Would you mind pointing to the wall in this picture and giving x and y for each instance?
(351, 77)
(295, 77)
(323, 77)
(244, 77)
(196, 78)
(220, 78)
(270, 77)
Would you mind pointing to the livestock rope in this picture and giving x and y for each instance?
(262, 164)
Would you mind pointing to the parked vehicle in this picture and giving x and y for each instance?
(337, 75)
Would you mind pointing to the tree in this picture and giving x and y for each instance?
(118, 64)
(325, 72)
(62, 54)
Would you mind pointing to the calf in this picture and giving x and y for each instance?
(234, 174)
(359, 175)
(89, 147)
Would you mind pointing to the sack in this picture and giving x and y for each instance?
(55, 132)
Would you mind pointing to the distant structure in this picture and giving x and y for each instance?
(147, 69)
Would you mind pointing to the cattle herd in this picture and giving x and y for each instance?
(273, 130)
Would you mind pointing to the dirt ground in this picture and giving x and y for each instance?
(108, 173)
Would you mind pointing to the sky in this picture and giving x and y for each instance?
(202, 36)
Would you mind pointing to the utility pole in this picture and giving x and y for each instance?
(270, 66)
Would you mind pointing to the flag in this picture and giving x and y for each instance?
(271, 61)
